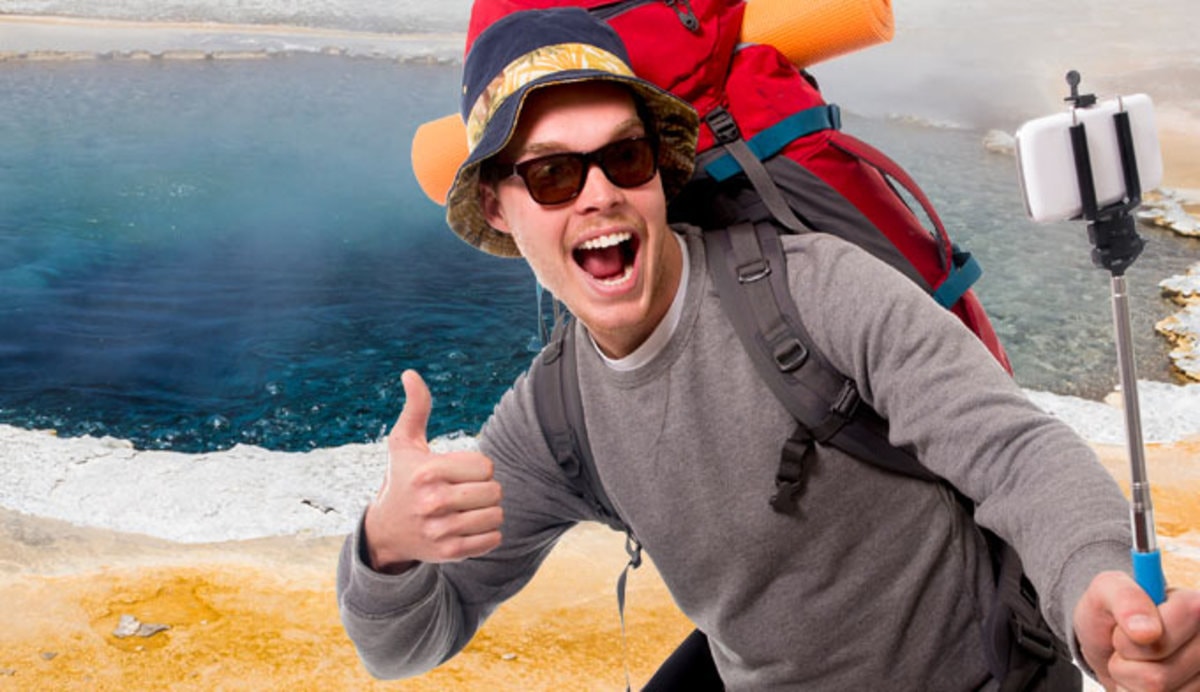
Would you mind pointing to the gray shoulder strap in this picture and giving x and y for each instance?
(559, 405)
(748, 268)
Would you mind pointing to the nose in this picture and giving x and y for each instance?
(598, 191)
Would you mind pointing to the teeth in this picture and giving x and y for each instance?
(606, 241)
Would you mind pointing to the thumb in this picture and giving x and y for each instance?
(414, 417)
(1143, 624)
(1135, 612)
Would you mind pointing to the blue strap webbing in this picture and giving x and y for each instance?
(964, 272)
(770, 141)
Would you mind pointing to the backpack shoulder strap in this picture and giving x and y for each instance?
(559, 406)
(748, 268)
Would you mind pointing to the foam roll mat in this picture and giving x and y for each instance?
(812, 31)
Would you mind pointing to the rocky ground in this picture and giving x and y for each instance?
(261, 614)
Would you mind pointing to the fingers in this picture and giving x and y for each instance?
(1180, 617)
(460, 535)
(459, 548)
(435, 496)
(454, 467)
(1094, 625)
(455, 521)
(410, 427)
(1171, 661)
(1133, 645)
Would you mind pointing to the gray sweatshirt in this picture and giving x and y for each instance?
(877, 579)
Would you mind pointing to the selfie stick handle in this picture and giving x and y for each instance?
(1117, 244)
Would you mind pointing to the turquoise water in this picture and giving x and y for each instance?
(194, 255)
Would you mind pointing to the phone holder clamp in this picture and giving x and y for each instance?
(1112, 229)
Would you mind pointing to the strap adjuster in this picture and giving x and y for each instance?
(753, 271)
(1036, 641)
(723, 126)
(839, 414)
(847, 401)
(789, 354)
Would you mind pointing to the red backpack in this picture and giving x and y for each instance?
(770, 146)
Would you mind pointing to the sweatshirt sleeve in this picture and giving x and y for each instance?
(407, 624)
(1035, 483)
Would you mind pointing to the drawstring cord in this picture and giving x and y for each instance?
(634, 550)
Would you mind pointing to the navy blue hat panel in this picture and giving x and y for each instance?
(523, 32)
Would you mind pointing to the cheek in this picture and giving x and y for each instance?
(539, 245)
(649, 201)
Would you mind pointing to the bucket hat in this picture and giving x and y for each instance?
(534, 49)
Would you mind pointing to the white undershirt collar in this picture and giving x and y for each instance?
(658, 339)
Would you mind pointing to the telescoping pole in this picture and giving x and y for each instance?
(1147, 561)
(1113, 232)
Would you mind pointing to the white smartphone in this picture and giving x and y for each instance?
(1046, 160)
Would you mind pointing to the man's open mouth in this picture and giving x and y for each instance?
(608, 258)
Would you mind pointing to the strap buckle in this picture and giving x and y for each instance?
(1034, 640)
(789, 479)
(723, 126)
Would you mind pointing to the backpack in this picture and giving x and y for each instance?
(771, 154)
(769, 145)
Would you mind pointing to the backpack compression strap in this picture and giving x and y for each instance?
(1023, 653)
(962, 269)
(748, 268)
(772, 140)
(726, 131)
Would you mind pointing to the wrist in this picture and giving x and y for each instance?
(376, 558)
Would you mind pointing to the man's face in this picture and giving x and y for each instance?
(608, 253)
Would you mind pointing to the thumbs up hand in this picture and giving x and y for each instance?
(431, 507)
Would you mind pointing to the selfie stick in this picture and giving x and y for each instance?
(1117, 244)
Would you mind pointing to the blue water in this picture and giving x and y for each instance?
(194, 255)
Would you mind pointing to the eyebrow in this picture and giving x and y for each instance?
(632, 127)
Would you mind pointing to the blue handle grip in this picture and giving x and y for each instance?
(1147, 571)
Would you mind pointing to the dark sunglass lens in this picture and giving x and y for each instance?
(553, 179)
(559, 178)
(629, 162)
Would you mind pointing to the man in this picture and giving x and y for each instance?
(878, 579)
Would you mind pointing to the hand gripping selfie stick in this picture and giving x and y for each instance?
(1113, 234)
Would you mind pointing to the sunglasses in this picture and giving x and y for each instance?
(559, 178)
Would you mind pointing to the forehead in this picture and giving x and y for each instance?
(570, 114)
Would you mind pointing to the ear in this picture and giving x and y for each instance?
(493, 212)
